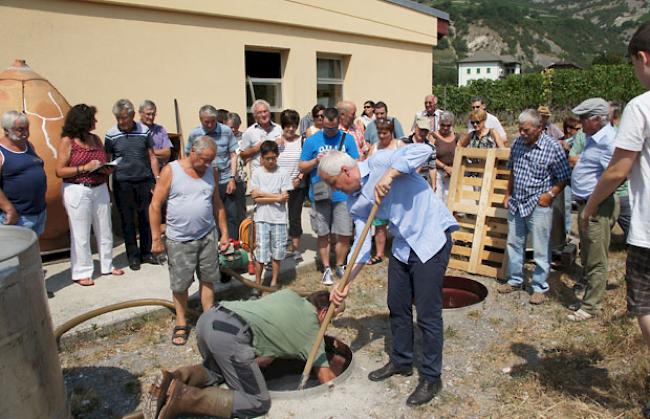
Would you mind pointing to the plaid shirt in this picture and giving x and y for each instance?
(536, 168)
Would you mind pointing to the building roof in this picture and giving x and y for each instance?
(564, 65)
(487, 57)
(421, 8)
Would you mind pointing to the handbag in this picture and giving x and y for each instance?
(323, 191)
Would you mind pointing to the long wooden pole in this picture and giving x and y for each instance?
(179, 130)
(341, 286)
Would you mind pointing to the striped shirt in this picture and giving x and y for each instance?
(536, 168)
(290, 157)
(133, 146)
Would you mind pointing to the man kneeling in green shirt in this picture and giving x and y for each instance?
(235, 339)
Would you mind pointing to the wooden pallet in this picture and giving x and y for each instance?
(476, 192)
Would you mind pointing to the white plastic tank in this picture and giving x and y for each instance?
(31, 382)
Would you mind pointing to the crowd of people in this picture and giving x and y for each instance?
(340, 163)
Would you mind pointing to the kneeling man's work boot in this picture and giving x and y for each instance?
(157, 395)
(184, 399)
(193, 375)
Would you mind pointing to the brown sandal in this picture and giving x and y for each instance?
(182, 333)
(85, 282)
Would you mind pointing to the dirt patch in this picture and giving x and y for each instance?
(502, 358)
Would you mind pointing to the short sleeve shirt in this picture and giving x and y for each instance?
(160, 137)
(254, 135)
(536, 168)
(284, 325)
(320, 143)
(133, 147)
(226, 143)
(271, 182)
(634, 135)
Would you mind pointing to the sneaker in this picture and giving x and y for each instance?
(340, 270)
(537, 298)
(579, 316)
(507, 288)
(327, 277)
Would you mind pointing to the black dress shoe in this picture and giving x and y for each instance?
(389, 370)
(135, 265)
(150, 259)
(424, 392)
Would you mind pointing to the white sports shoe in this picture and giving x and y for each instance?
(340, 270)
(327, 277)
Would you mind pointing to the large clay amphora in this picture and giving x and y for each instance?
(22, 89)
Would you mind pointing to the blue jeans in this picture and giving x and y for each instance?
(538, 223)
(33, 222)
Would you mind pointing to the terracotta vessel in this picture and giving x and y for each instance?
(24, 90)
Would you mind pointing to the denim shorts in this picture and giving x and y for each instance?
(33, 222)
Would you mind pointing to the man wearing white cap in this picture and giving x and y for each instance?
(595, 236)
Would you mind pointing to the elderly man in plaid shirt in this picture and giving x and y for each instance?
(539, 172)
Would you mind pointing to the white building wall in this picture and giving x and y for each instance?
(478, 71)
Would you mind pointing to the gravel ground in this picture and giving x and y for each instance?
(488, 346)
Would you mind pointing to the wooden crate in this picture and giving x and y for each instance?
(476, 192)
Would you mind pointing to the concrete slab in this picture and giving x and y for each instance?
(151, 281)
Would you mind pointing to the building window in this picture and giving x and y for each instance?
(488, 70)
(469, 71)
(478, 71)
(329, 84)
(264, 81)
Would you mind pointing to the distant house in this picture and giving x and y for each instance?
(484, 65)
(563, 65)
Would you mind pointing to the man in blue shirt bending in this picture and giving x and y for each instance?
(421, 226)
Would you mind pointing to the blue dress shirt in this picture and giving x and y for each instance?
(593, 161)
(417, 218)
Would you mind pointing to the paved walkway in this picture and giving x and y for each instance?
(151, 281)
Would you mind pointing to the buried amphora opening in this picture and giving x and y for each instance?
(283, 375)
(458, 291)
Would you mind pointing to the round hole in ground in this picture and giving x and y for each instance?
(458, 291)
(283, 375)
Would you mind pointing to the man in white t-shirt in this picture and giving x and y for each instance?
(631, 160)
(491, 121)
(263, 129)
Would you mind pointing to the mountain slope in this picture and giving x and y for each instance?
(539, 32)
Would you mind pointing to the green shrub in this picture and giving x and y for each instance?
(559, 89)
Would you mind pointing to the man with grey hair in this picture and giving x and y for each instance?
(491, 122)
(225, 161)
(162, 146)
(188, 186)
(419, 256)
(133, 179)
(430, 112)
(539, 172)
(595, 236)
(23, 182)
(263, 129)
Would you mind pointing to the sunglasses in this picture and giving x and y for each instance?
(476, 122)
(445, 125)
(476, 107)
(320, 115)
(367, 107)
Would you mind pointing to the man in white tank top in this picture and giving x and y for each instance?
(193, 205)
